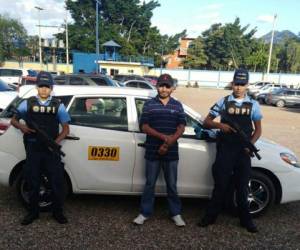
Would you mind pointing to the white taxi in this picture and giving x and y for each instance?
(105, 152)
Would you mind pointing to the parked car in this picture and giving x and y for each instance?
(261, 93)
(84, 79)
(151, 78)
(105, 151)
(285, 97)
(253, 87)
(123, 78)
(7, 94)
(264, 98)
(14, 76)
(137, 84)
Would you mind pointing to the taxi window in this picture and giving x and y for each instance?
(100, 112)
(193, 128)
(139, 104)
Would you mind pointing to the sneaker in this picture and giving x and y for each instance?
(140, 219)
(178, 220)
(60, 218)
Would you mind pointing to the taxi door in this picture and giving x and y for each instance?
(101, 155)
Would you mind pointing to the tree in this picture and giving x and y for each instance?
(195, 55)
(257, 60)
(226, 44)
(126, 22)
(289, 56)
(12, 39)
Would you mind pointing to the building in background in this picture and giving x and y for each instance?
(174, 60)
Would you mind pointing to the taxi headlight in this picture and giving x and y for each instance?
(290, 159)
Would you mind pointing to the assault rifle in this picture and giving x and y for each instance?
(52, 145)
(240, 133)
(42, 135)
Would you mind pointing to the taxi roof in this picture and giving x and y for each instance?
(30, 90)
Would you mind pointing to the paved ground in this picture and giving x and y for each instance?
(104, 222)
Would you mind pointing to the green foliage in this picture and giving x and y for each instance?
(12, 39)
(228, 46)
(196, 56)
(126, 22)
(289, 56)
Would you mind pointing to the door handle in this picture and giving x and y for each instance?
(72, 137)
(141, 144)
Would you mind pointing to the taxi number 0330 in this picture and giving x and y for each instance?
(100, 153)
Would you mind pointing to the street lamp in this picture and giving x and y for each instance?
(97, 33)
(40, 40)
(271, 47)
(67, 42)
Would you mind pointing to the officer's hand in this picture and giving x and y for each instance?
(226, 128)
(163, 149)
(26, 130)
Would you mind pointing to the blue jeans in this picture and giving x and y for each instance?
(170, 174)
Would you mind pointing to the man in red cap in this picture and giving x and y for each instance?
(163, 120)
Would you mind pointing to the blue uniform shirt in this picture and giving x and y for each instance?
(256, 114)
(164, 119)
(62, 114)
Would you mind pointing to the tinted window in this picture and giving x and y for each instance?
(144, 85)
(290, 92)
(74, 80)
(139, 104)
(100, 81)
(100, 112)
(10, 72)
(132, 84)
(60, 80)
(65, 99)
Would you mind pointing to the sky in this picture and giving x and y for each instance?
(173, 16)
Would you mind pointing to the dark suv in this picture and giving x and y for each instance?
(285, 97)
(84, 79)
(124, 78)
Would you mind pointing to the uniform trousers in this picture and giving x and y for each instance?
(232, 164)
(40, 162)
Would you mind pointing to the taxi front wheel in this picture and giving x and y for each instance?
(45, 194)
(261, 195)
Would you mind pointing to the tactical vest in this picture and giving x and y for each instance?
(240, 115)
(45, 116)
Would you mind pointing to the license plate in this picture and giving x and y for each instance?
(100, 153)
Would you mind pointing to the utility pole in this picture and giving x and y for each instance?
(271, 47)
(67, 42)
(40, 39)
(97, 34)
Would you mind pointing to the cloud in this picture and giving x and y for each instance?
(265, 18)
(54, 14)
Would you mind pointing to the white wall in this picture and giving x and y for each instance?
(222, 78)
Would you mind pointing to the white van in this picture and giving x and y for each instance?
(14, 76)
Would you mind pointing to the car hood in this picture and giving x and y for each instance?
(6, 97)
(273, 146)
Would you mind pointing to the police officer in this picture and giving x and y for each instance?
(233, 158)
(47, 112)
